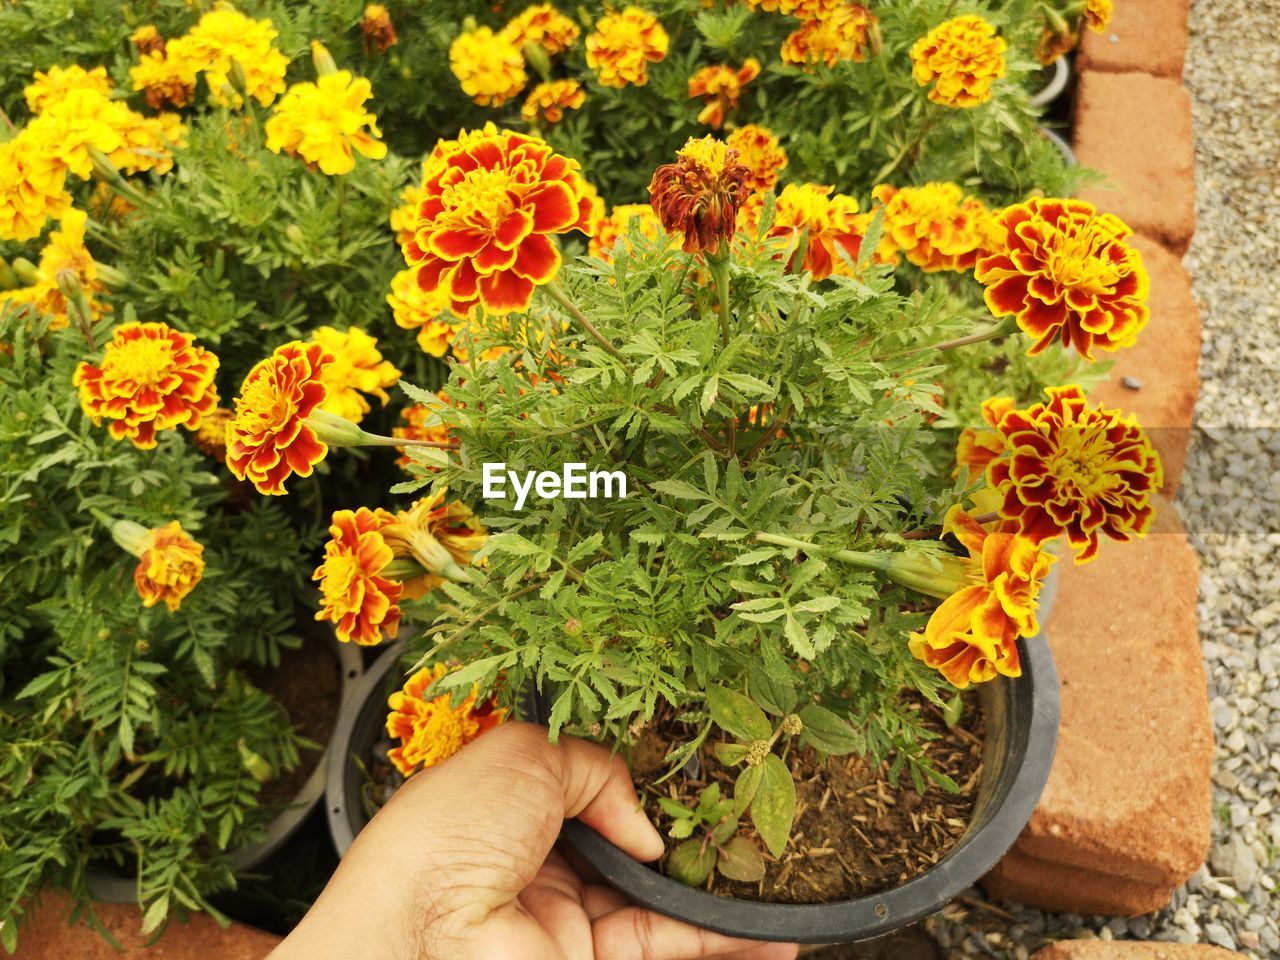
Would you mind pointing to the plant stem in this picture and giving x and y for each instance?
(719, 264)
(771, 431)
(558, 294)
(1005, 327)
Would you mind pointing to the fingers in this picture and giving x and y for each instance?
(636, 934)
(598, 791)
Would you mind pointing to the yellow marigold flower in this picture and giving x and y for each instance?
(721, 89)
(492, 202)
(549, 101)
(831, 223)
(69, 126)
(700, 194)
(544, 25)
(617, 225)
(65, 252)
(358, 368)
(145, 141)
(489, 67)
(1097, 14)
(50, 87)
(804, 9)
(378, 30)
(422, 422)
(962, 58)
(1066, 273)
(170, 564)
(151, 378)
(167, 82)
(623, 46)
(148, 40)
(269, 438)
(441, 536)
(431, 730)
(973, 635)
(1064, 467)
(759, 152)
(355, 596)
(223, 35)
(936, 226)
(33, 188)
(415, 309)
(840, 33)
(324, 122)
(211, 435)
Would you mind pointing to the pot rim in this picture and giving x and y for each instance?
(112, 886)
(1054, 88)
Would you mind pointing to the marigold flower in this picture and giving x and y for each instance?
(167, 82)
(379, 32)
(169, 567)
(211, 435)
(269, 439)
(831, 223)
(759, 152)
(962, 58)
(973, 634)
(148, 40)
(324, 123)
(355, 597)
(623, 46)
(838, 34)
(549, 101)
(33, 188)
(1068, 468)
(422, 422)
(491, 204)
(65, 252)
(442, 536)
(50, 87)
(700, 194)
(432, 730)
(85, 120)
(152, 378)
(489, 67)
(358, 368)
(976, 448)
(1097, 14)
(720, 87)
(804, 9)
(1066, 272)
(617, 225)
(223, 35)
(1055, 44)
(937, 227)
(544, 25)
(415, 309)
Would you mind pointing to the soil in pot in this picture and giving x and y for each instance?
(308, 684)
(856, 832)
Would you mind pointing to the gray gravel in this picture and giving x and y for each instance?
(1230, 500)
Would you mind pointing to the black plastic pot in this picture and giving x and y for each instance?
(112, 886)
(1022, 731)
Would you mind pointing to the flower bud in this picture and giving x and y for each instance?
(26, 271)
(334, 430)
(8, 279)
(236, 77)
(132, 537)
(322, 59)
(104, 168)
(536, 57)
(258, 768)
(573, 627)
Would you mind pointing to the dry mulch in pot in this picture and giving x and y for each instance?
(856, 833)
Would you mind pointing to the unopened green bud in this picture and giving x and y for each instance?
(535, 55)
(26, 271)
(573, 627)
(132, 537)
(334, 430)
(294, 233)
(236, 77)
(8, 279)
(322, 59)
(258, 768)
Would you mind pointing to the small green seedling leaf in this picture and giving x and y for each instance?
(692, 862)
(741, 860)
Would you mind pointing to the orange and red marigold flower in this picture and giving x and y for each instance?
(1063, 467)
(759, 152)
(1067, 273)
(544, 25)
(623, 45)
(548, 101)
(617, 225)
(972, 636)
(830, 223)
(151, 378)
(269, 439)
(836, 33)
(169, 567)
(700, 194)
(491, 203)
(432, 729)
(720, 88)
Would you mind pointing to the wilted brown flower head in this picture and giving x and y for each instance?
(700, 194)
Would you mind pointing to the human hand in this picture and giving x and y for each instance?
(459, 865)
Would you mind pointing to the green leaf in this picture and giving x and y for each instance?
(680, 490)
(674, 808)
(709, 393)
(691, 862)
(798, 639)
(744, 790)
(952, 710)
(759, 555)
(777, 694)
(827, 731)
(514, 544)
(774, 806)
(740, 859)
(156, 914)
(730, 754)
(681, 829)
(737, 715)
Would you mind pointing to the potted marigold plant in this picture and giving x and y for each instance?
(733, 532)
